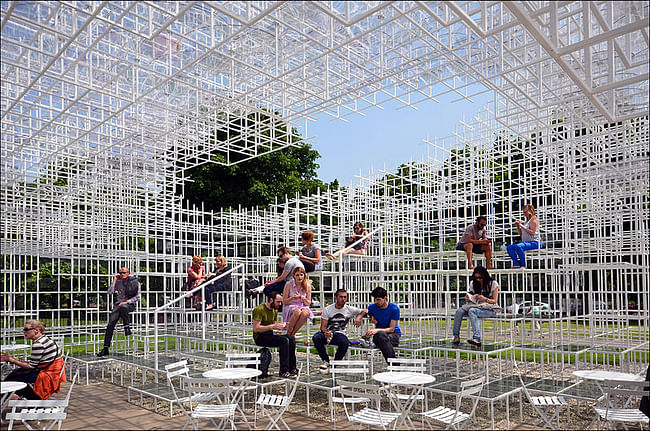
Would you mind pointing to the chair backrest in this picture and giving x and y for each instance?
(200, 385)
(625, 390)
(74, 380)
(358, 390)
(470, 388)
(407, 364)
(234, 360)
(177, 369)
(295, 386)
(174, 370)
(345, 367)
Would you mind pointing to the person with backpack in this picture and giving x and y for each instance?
(128, 293)
(264, 324)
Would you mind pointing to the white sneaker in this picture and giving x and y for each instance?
(325, 367)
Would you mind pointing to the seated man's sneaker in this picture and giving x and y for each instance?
(325, 367)
(285, 375)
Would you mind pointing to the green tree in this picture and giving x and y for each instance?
(254, 182)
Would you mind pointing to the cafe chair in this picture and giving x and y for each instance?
(623, 393)
(357, 370)
(544, 404)
(368, 416)
(45, 413)
(274, 406)
(453, 417)
(218, 410)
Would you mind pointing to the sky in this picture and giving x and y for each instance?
(384, 138)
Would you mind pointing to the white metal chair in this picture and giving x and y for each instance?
(411, 365)
(619, 390)
(358, 369)
(453, 417)
(274, 406)
(367, 416)
(543, 404)
(205, 389)
(46, 413)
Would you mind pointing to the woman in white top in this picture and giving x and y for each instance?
(481, 302)
(529, 231)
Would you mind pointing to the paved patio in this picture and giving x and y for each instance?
(103, 406)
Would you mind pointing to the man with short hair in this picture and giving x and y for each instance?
(128, 293)
(333, 322)
(45, 357)
(475, 240)
(264, 323)
(277, 285)
(386, 333)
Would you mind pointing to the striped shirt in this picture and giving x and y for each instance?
(44, 351)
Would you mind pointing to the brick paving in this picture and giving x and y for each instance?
(104, 406)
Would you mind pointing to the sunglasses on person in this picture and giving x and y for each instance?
(123, 272)
(27, 329)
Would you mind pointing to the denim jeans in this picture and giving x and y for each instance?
(338, 339)
(287, 345)
(119, 312)
(275, 287)
(516, 251)
(473, 315)
(215, 287)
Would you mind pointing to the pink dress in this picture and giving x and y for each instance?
(287, 309)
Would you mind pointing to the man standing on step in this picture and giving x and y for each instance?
(475, 240)
(128, 293)
(333, 322)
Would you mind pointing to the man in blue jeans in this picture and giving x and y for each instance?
(333, 322)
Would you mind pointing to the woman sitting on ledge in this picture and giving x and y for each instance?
(482, 302)
(529, 231)
(359, 248)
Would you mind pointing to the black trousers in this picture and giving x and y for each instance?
(119, 312)
(287, 345)
(386, 342)
(27, 376)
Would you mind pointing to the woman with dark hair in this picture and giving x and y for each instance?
(481, 302)
(359, 248)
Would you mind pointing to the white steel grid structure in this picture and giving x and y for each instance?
(104, 104)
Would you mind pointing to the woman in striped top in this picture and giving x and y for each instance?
(44, 352)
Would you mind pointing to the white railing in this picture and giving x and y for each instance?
(201, 288)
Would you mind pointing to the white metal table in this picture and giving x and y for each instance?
(228, 375)
(600, 376)
(12, 347)
(414, 381)
(7, 389)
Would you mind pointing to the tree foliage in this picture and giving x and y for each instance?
(255, 182)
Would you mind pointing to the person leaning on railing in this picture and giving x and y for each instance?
(42, 369)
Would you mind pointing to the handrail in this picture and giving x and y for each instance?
(201, 287)
(363, 238)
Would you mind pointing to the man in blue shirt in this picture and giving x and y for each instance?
(386, 333)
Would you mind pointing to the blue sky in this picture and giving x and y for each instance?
(384, 137)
